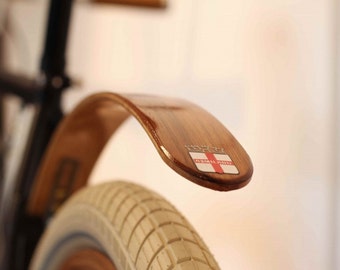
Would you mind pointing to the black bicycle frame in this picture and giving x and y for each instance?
(24, 231)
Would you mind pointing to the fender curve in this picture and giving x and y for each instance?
(181, 131)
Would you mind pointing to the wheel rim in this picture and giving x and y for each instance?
(88, 259)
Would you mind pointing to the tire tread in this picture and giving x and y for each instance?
(154, 234)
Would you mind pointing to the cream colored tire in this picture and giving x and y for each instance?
(133, 226)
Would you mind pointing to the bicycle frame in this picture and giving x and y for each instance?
(45, 92)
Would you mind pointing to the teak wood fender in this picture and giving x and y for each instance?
(189, 139)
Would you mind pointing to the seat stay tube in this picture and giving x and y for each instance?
(26, 230)
(55, 81)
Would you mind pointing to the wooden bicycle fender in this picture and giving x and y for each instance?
(189, 139)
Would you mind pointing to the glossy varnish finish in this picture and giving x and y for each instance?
(176, 127)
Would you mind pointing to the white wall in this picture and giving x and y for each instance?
(266, 70)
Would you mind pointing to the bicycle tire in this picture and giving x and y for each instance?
(134, 227)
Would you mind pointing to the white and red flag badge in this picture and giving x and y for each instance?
(207, 161)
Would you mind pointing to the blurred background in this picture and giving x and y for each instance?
(268, 70)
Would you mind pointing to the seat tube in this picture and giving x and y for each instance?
(27, 229)
(53, 59)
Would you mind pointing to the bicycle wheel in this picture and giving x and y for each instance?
(120, 225)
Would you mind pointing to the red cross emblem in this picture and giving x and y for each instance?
(211, 162)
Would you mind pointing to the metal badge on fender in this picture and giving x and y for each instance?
(212, 159)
